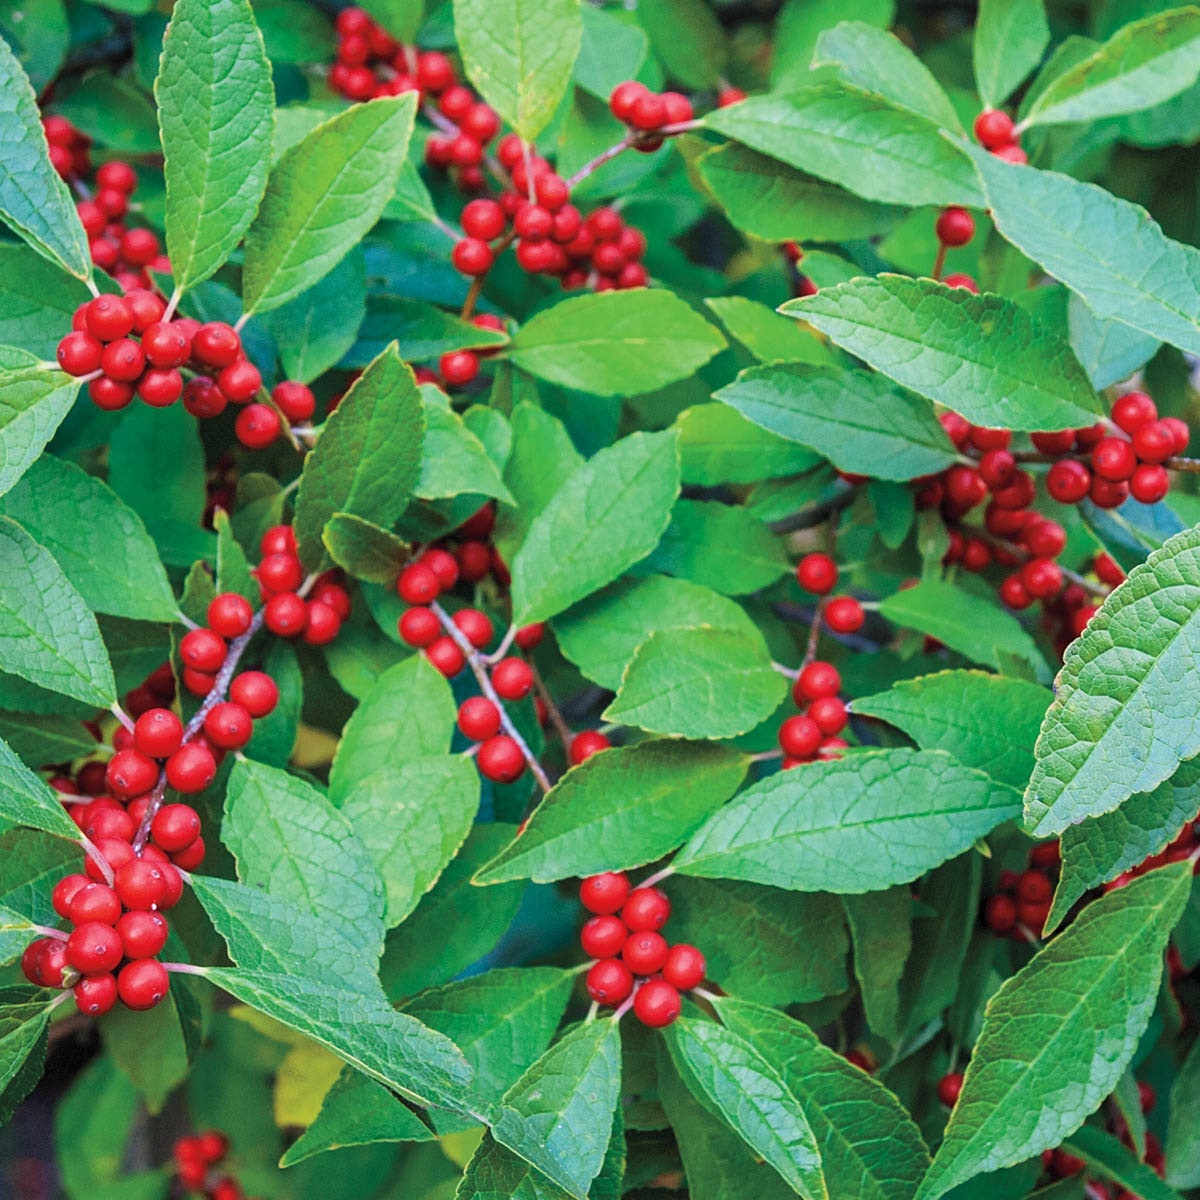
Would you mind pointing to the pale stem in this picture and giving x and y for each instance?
(173, 303)
(658, 877)
(121, 715)
(596, 163)
(92, 851)
(179, 968)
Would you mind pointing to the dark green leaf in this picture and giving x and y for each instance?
(1183, 1130)
(881, 933)
(687, 37)
(364, 550)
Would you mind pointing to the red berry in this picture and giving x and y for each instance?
(158, 733)
(1068, 481)
(418, 584)
(202, 398)
(684, 968)
(228, 726)
(816, 680)
(1154, 441)
(280, 573)
(605, 893)
(216, 345)
(551, 191)
(955, 226)
(95, 902)
(239, 383)
(191, 856)
(198, 683)
(476, 627)
(817, 573)
(256, 692)
(285, 614)
(1183, 435)
(1150, 483)
(1042, 577)
(648, 112)
(323, 624)
(512, 678)
(1146, 1096)
(94, 948)
(113, 851)
(123, 360)
(143, 983)
(139, 247)
(334, 596)
(257, 425)
(799, 737)
(479, 719)
(530, 636)
(1045, 539)
(1000, 914)
(130, 773)
(829, 714)
(603, 937)
(965, 282)
(646, 908)
(965, 486)
(1113, 459)
(1105, 493)
(678, 108)
(644, 952)
(174, 827)
(993, 128)
(844, 614)
(418, 627)
(1054, 443)
(117, 175)
(500, 759)
(444, 654)
(143, 933)
(159, 388)
(434, 71)
(1034, 888)
(585, 744)
(996, 467)
(229, 615)
(472, 256)
(294, 400)
(141, 884)
(657, 1003)
(609, 981)
(484, 220)
(1133, 410)
(459, 367)
(96, 994)
(191, 768)
(203, 650)
(64, 890)
(624, 96)
(949, 1087)
(109, 318)
(79, 354)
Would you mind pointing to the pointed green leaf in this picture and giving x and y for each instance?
(881, 934)
(609, 514)
(233, 569)
(525, 74)
(16, 932)
(46, 739)
(982, 356)
(1183, 1129)
(733, 1080)
(34, 201)
(454, 461)
(688, 38)
(1142, 65)
(495, 1171)
(37, 300)
(1109, 251)
(767, 335)
(367, 459)
(1122, 717)
(24, 1020)
(858, 420)
(26, 800)
(1108, 350)
(1111, 1159)
(621, 808)
(854, 138)
(698, 683)
(1050, 1052)
(364, 550)
(216, 110)
(48, 635)
(985, 721)
(1010, 38)
(559, 1114)
(322, 196)
(859, 824)
(33, 403)
(611, 344)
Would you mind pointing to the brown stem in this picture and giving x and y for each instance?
(476, 288)
(553, 712)
(939, 263)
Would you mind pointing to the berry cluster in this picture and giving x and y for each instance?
(813, 733)
(648, 113)
(818, 574)
(70, 148)
(632, 956)
(1023, 901)
(995, 132)
(195, 1158)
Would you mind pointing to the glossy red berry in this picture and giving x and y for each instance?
(123, 360)
(512, 678)
(158, 733)
(95, 902)
(109, 318)
(479, 719)
(624, 96)
(1113, 459)
(64, 890)
(816, 680)
(79, 354)
(1105, 493)
(484, 220)
(472, 256)
(1068, 481)
(844, 614)
(118, 175)
(174, 827)
(160, 388)
(817, 573)
(475, 626)
(646, 908)
(1154, 441)
(419, 626)
(648, 112)
(684, 967)
(829, 715)
(115, 852)
(239, 383)
(1183, 435)
(1044, 539)
(96, 994)
(603, 937)
(1133, 410)
(609, 981)
(1149, 483)
(444, 654)
(657, 1003)
(143, 933)
(191, 856)
(799, 737)
(202, 398)
(418, 584)
(130, 773)
(459, 367)
(323, 624)
(605, 893)
(644, 952)
(256, 692)
(993, 128)
(1034, 888)
(203, 650)
(257, 425)
(216, 345)
(228, 726)
(191, 768)
(94, 948)
(500, 759)
(142, 983)
(229, 615)
(285, 614)
(1042, 577)
(141, 884)
(1058, 442)
(294, 400)
(949, 1087)
(955, 227)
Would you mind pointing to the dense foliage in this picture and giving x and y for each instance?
(600, 600)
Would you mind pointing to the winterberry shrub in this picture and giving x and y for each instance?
(599, 600)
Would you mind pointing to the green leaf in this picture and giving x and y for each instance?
(732, 1080)
(320, 325)
(1108, 251)
(1111, 1159)
(40, 34)
(233, 570)
(364, 550)
(100, 543)
(1142, 65)
(15, 934)
(1049, 1052)
(718, 445)
(854, 138)
(1010, 38)
(801, 23)
(881, 933)
(1183, 1129)
(216, 113)
(985, 721)
(525, 74)
(876, 60)
(367, 458)
(976, 628)
(408, 714)
(23, 1024)
(767, 335)
(293, 32)
(45, 739)
(982, 356)
(115, 111)
(401, 18)
(37, 300)
(289, 840)
(31, 863)
(1100, 849)
(858, 824)
(412, 820)
(495, 1171)
(356, 1111)
(369, 1034)
(152, 1053)
(559, 1114)
(621, 808)
(608, 514)
(33, 403)
(763, 943)
(600, 634)
(858, 420)
(870, 1147)
(26, 800)
(775, 202)
(424, 331)
(612, 51)
(611, 344)
(1108, 350)
(698, 683)
(687, 37)
(34, 201)
(47, 633)
(454, 462)
(1121, 719)
(322, 196)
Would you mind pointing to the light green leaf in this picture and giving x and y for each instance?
(524, 74)
(216, 114)
(858, 824)
(233, 569)
(1010, 38)
(613, 50)
(881, 934)
(718, 445)
(775, 202)
(731, 1079)
(1122, 719)
(1100, 849)
(34, 201)
(290, 841)
(1049, 1052)
(412, 820)
(33, 403)
(454, 462)
(800, 24)
(48, 635)
(854, 138)
(26, 800)
(698, 683)
(1111, 1159)
(856, 419)
(1108, 350)
(976, 628)
(322, 196)
(985, 721)
(37, 300)
(1183, 1129)
(767, 335)
(608, 514)
(870, 1147)
(1142, 65)
(878, 61)
(407, 715)
(100, 543)
(364, 550)
(1109, 251)
(621, 808)
(611, 344)
(559, 1114)
(982, 356)
(367, 459)
(688, 39)
(401, 18)
(423, 331)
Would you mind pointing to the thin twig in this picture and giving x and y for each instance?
(596, 163)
